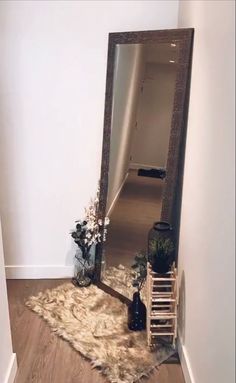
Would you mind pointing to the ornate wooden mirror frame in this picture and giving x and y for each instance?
(175, 162)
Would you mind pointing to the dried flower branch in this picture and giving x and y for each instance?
(140, 270)
(91, 229)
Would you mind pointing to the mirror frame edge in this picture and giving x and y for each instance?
(172, 194)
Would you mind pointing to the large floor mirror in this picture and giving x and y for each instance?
(148, 76)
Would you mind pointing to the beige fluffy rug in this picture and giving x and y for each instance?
(95, 324)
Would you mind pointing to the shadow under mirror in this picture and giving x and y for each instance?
(142, 105)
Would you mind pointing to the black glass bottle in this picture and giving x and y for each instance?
(137, 314)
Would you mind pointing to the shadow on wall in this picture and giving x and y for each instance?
(70, 254)
(182, 309)
(11, 158)
(9, 166)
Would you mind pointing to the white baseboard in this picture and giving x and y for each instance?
(117, 196)
(185, 363)
(136, 165)
(11, 370)
(38, 271)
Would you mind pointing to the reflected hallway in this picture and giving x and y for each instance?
(138, 206)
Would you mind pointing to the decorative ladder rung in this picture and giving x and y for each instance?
(163, 279)
(163, 300)
(162, 333)
(165, 286)
(162, 316)
(168, 273)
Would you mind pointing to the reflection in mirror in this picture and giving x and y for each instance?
(143, 95)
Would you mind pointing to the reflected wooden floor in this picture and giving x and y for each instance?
(43, 357)
(138, 206)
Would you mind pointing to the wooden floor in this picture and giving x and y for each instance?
(45, 358)
(138, 206)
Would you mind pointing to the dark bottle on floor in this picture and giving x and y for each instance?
(137, 314)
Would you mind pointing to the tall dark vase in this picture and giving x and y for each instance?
(161, 232)
(137, 314)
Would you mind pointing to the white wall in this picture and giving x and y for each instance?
(52, 86)
(151, 138)
(127, 83)
(7, 358)
(206, 256)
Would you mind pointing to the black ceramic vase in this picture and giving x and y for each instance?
(161, 266)
(137, 314)
(160, 247)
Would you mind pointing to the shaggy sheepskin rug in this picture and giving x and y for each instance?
(95, 324)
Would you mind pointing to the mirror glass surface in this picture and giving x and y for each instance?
(142, 105)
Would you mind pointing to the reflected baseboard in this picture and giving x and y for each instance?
(136, 166)
(115, 199)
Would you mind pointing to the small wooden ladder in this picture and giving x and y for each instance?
(162, 301)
